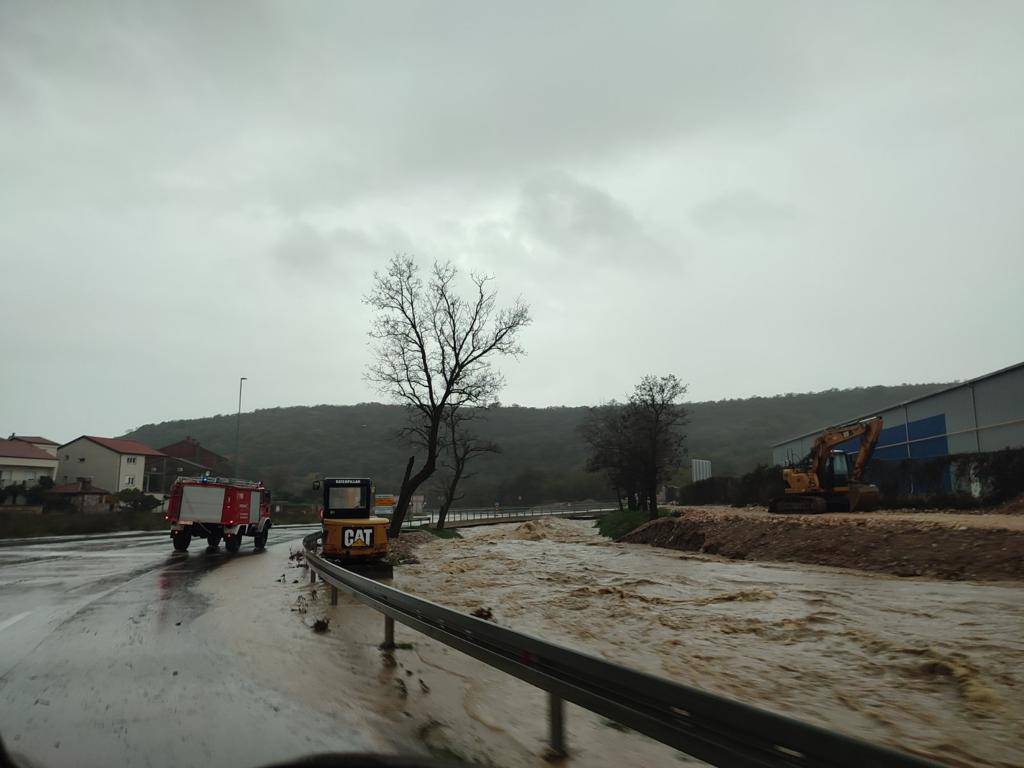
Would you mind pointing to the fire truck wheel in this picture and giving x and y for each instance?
(260, 540)
(213, 540)
(181, 540)
(232, 543)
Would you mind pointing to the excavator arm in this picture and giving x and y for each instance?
(869, 431)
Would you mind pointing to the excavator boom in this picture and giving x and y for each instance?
(869, 431)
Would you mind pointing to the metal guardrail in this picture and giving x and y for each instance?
(712, 728)
(473, 514)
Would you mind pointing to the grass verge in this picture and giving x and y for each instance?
(619, 523)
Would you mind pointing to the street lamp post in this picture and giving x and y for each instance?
(238, 423)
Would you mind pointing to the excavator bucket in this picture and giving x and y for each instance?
(863, 497)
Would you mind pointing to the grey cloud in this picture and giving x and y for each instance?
(304, 249)
(741, 211)
(581, 152)
(319, 253)
(581, 222)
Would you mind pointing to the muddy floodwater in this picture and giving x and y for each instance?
(931, 667)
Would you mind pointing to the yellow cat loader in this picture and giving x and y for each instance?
(824, 482)
(352, 535)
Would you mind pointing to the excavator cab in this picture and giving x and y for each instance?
(352, 534)
(837, 472)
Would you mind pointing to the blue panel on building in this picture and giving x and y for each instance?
(928, 427)
(893, 435)
(929, 449)
(891, 452)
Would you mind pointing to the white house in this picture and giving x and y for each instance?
(22, 462)
(105, 462)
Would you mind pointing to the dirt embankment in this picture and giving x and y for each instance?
(904, 545)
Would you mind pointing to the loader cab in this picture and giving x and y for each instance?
(347, 498)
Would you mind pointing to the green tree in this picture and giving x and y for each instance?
(136, 500)
(657, 420)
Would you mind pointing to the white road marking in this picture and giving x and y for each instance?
(13, 620)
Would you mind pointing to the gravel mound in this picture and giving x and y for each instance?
(872, 543)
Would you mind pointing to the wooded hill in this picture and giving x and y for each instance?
(542, 455)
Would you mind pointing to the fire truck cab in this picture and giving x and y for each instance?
(218, 508)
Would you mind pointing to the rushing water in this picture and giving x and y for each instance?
(932, 667)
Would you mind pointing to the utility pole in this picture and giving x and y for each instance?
(238, 422)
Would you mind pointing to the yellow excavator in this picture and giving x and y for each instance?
(823, 481)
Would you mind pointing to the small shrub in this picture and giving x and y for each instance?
(617, 524)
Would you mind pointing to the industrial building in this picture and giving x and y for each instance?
(977, 416)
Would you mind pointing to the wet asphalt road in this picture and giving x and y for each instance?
(111, 654)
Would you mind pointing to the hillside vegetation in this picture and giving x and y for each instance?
(542, 453)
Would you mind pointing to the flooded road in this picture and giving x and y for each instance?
(931, 667)
(121, 652)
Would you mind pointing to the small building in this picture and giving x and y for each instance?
(41, 443)
(113, 463)
(193, 452)
(700, 469)
(23, 462)
(161, 472)
(184, 458)
(82, 495)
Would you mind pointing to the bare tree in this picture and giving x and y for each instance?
(460, 445)
(434, 351)
(608, 431)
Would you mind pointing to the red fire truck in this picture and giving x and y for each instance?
(218, 508)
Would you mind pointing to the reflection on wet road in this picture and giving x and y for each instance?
(111, 655)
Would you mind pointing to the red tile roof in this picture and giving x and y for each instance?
(79, 487)
(121, 446)
(33, 439)
(16, 449)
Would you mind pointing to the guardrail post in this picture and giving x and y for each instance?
(334, 595)
(389, 633)
(556, 725)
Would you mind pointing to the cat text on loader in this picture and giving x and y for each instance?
(824, 482)
(353, 536)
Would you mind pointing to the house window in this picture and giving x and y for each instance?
(130, 480)
(131, 459)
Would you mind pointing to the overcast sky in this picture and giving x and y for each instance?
(757, 197)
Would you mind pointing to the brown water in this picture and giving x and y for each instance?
(932, 667)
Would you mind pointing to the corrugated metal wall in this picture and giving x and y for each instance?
(986, 414)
